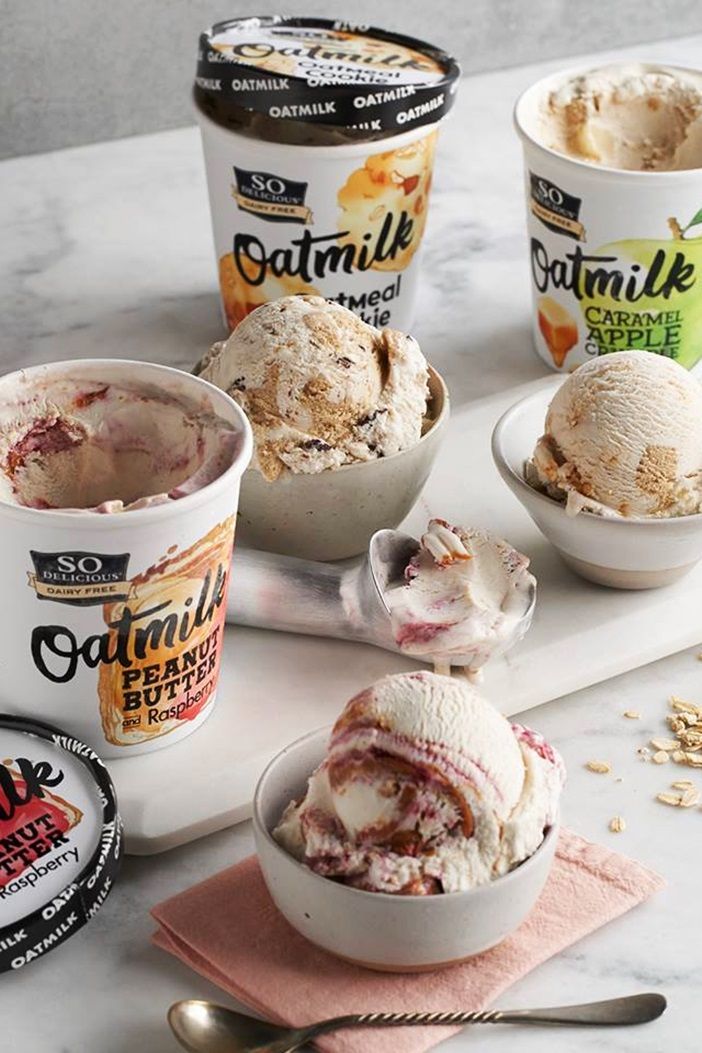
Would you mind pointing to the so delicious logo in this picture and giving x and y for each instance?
(556, 208)
(271, 197)
(79, 578)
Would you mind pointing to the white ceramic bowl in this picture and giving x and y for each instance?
(334, 514)
(373, 929)
(620, 553)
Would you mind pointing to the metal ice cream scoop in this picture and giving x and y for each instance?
(344, 600)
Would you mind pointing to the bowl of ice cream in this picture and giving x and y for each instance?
(347, 422)
(417, 833)
(609, 466)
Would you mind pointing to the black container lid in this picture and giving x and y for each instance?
(61, 838)
(327, 72)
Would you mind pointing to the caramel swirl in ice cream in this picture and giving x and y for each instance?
(623, 437)
(425, 789)
(321, 387)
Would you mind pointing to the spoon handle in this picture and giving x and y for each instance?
(635, 1009)
(291, 595)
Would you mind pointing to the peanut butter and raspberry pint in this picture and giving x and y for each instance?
(165, 642)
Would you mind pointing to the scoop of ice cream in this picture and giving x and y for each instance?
(623, 436)
(79, 444)
(426, 788)
(465, 594)
(320, 386)
(634, 116)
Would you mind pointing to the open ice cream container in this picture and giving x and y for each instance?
(60, 838)
(319, 144)
(613, 172)
(119, 486)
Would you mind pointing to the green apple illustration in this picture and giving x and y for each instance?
(646, 294)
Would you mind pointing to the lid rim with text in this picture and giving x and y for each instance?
(31, 936)
(330, 92)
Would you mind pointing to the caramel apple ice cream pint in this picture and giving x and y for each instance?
(613, 160)
(119, 485)
(319, 141)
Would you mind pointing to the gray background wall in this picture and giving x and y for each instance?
(77, 71)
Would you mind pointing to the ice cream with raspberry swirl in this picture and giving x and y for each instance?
(425, 789)
(465, 593)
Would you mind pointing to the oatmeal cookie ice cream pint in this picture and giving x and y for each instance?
(119, 485)
(613, 174)
(319, 141)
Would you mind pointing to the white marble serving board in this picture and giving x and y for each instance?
(275, 687)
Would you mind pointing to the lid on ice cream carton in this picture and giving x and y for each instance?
(327, 72)
(60, 838)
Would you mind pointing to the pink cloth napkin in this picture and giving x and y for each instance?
(228, 929)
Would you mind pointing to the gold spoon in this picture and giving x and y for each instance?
(205, 1027)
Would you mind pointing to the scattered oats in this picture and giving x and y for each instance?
(598, 766)
(669, 798)
(699, 657)
(686, 748)
(681, 705)
(617, 825)
(631, 714)
(665, 744)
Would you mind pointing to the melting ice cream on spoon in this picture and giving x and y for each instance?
(456, 598)
(467, 596)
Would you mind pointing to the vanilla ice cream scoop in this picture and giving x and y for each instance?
(623, 437)
(466, 592)
(321, 387)
(426, 788)
(630, 116)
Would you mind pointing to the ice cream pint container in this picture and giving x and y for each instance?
(615, 232)
(60, 838)
(119, 485)
(319, 140)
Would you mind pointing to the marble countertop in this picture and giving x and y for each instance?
(107, 252)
